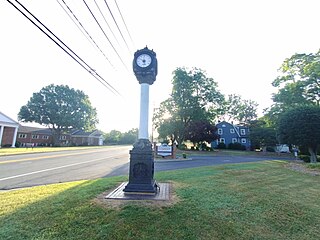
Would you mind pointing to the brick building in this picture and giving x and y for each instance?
(32, 136)
(80, 137)
(8, 131)
(12, 132)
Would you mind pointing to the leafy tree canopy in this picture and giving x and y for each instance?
(194, 97)
(240, 110)
(301, 126)
(298, 83)
(201, 131)
(117, 137)
(60, 108)
(262, 134)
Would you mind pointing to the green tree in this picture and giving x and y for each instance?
(300, 74)
(194, 97)
(59, 108)
(201, 131)
(240, 110)
(172, 130)
(113, 137)
(301, 126)
(262, 134)
(298, 83)
(129, 137)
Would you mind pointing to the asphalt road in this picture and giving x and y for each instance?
(45, 168)
(199, 161)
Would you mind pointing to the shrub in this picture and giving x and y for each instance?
(236, 146)
(182, 146)
(306, 158)
(270, 149)
(221, 145)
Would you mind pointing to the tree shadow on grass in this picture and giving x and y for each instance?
(65, 211)
(247, 201)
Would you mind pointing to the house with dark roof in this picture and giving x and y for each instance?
(33, 136)
(81, 138)
(230, 133)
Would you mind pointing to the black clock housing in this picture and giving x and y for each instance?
(145, 74)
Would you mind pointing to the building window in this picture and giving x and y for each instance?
(45, 137)
(242, 131)
(243, 140)
(35, 137)
(231, 130)
(222, 140)
(223, 125)
(220, 131)
(63, 137)
(234, 140)
(22, 135)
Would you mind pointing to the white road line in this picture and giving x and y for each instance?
(55, 168)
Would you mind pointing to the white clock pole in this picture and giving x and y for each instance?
(141, 170)
(144, 111)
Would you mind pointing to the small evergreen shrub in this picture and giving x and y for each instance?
(236, 146)
(221, 145)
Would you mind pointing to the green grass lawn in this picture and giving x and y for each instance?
(23, 150)
(262, 200)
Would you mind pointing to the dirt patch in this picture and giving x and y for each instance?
(298, 166)
(119, 203)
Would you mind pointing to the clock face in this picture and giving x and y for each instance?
(144, 60)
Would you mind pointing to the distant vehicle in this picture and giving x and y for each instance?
(282, 148)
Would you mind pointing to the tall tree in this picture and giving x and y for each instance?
(130, 137)
(194, 97)
(298, 84)
(201, 131)
(301, 126)
(113, 137)
(262, 134)
(240, 110)
(59, 108)
(300, 74)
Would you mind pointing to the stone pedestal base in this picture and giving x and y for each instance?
(141, 169)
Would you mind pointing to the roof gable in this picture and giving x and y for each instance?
(4, 119)
(224, 124)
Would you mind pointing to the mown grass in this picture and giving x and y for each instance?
(313, 165)
(23, 150)
(241, 201)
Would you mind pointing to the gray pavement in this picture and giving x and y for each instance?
(199, 161)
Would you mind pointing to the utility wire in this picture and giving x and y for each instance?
(83, 29)
(117, 26)
(105, 35)
(105, 20)
(83, 64)
(124, 23)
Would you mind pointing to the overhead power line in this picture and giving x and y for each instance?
(117, 25)
(105, 35)
(105, 20)
(82, 29)
(124, 22)
(79, 60)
